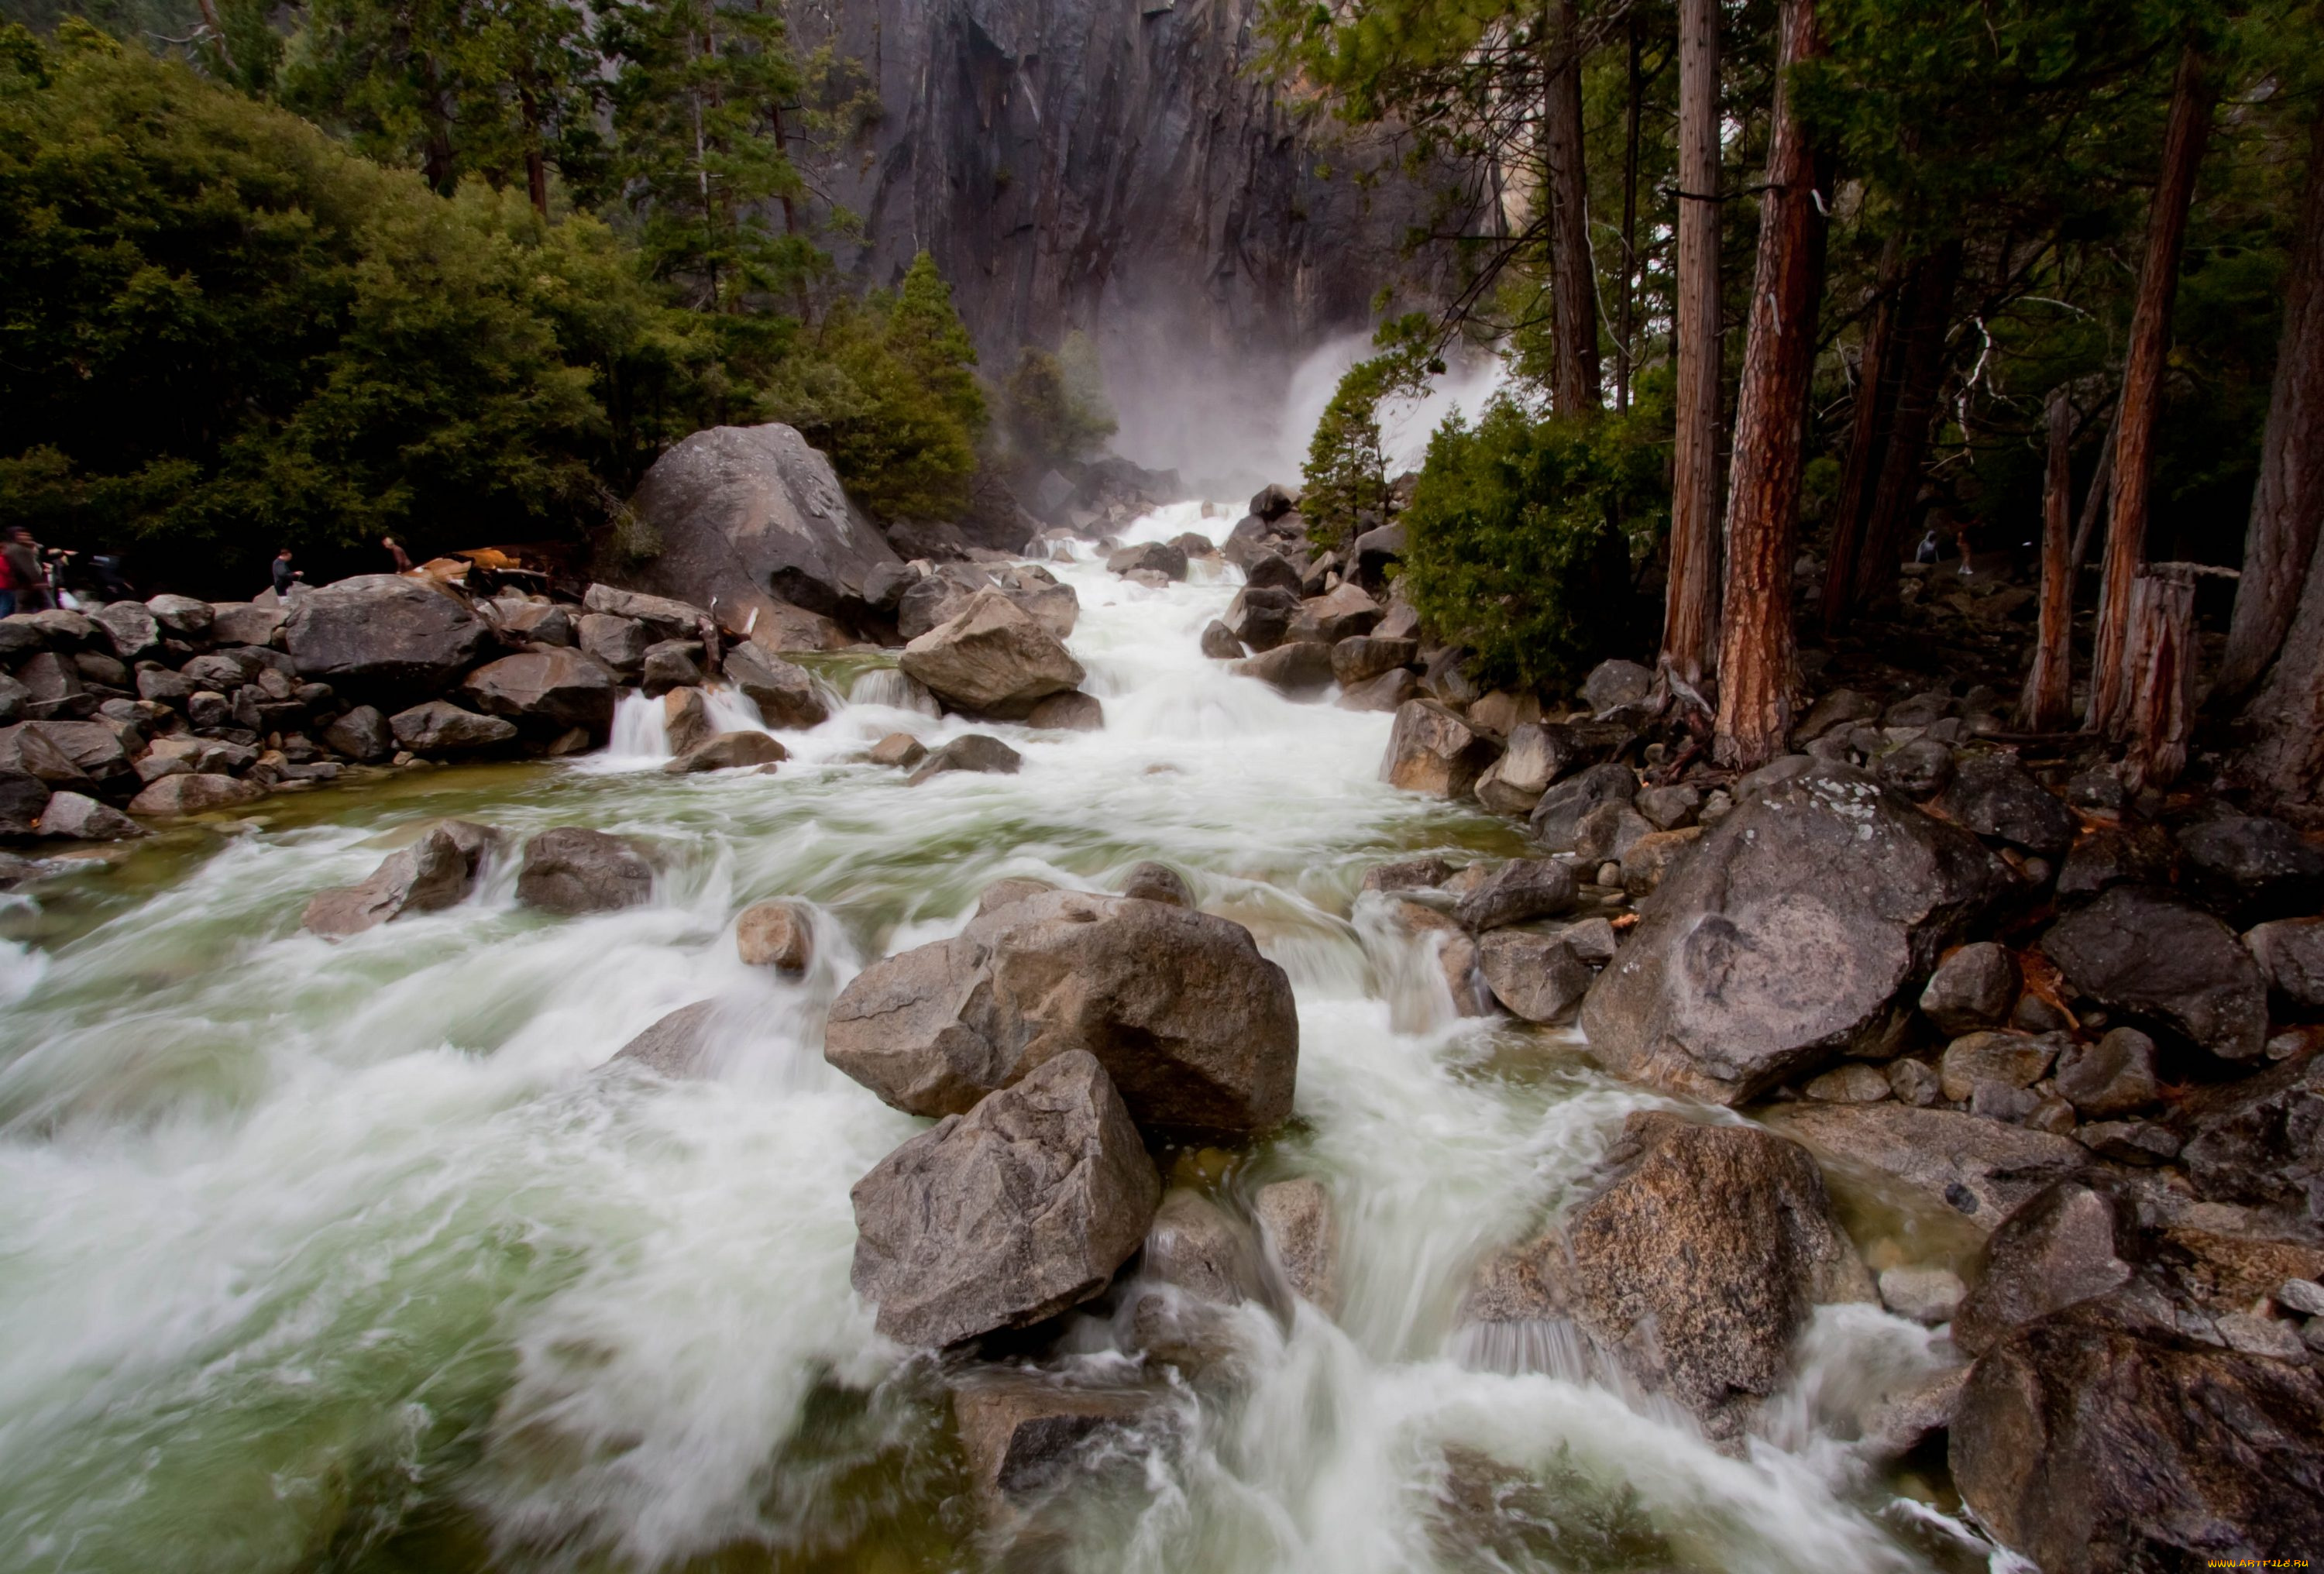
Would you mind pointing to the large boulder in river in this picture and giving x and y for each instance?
(550, 688)
(786, 693)
(384, 634)
(994, 659)
(2096, 1441)
(569, 869)
(1007, 1215)
(1198, 1030)
(1431, 751)
(1782, 941)
(433, 873)
(2142, 951)
(750, 520)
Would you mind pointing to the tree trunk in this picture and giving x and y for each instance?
(536, 165)
(2160, 657)
(2288, 502)
(1927, 308)
(1573, 295)
(1756, 643)
(2048, 703)
(1626, 358)
(2142, 389)
(1875, 396)
(2283, 762)
(2094, 502)
(1690, 609)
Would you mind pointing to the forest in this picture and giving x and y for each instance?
(1787, 288)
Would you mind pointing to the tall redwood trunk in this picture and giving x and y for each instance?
(2048, 702)
(2142, 386)
(1927, 309)
(1756, 641)
(2288, 502)
(1876, 399)
(1691, 607)
(1626, 359)
(2283, 760)
(1573, 295)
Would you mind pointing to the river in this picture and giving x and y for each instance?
(350, 1256)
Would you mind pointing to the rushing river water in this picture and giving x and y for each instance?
(349, 1257)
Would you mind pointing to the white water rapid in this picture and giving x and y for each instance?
(349, 1257)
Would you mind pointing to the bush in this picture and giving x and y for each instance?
(1518, 538)
(224, 334)
(1343, 486)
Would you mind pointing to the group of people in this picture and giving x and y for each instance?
(33, 577)
(287, 578)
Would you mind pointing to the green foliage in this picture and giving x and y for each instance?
(1057, 407)
(1345, 481)
(1517, 541)
(883, 386)
(223, 333)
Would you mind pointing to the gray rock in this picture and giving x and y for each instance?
(2261, 1140)
(776, 935)
(1927, 1295)
(673, 1045)
(246, 624)
(2139, 951)
(2057, 1248)
(1297, 1223)
(1157, 882)
(1260, 615)
(1981, 1169)
(898, 751)
(77, 817)
(992, 659)
(671, 663)
(1155, 556)
(2291, 954)
(550, 690)
(1198, 1030)
(1406, 874)
(727, 751)
(1431, 751)
(1537, 755)
(619, 642)
(1612, 685)
(1007, 1215)
(2106, 857)
(1668, 808)
(381, 634)
(431, 874)
(2254, 867)
(1994, 797)
(1557, 817)
(2130, 1142)
(130, 628)
(196, 793)
(1748, 1213)
(2304, 1296)
(1273, 571)
(1026, 1434)
(1071, 712)
(440, 727)
(748, 521)
(1841, 708)
(533, 623)
(1975, 987)
(1784, 939)
(2093, 1445)
(1607, 833)
(1219, 643)
(972, 751)
(361, 734)
(182, 615)
(1521, 889)
(1535, 975)
(1362, 658)
(686, 722)
(2112, 1077)
(1390, 691)
(1336, 615)
(1919, 769)
(1301, 669)
(572, 871)
(1854, 1082)
(786, 694)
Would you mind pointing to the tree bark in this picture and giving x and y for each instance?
(535, 164)
(1756, 652)
(1691, 608)
(1876, 397)
(2159, 655)
(2094, 500)
(1626, 359)
(1927, 308)
(2142, 389)
(2288, 502)
(2048, 703)
(2283, 762)
(1572, 285)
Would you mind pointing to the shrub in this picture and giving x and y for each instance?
(1518, 538)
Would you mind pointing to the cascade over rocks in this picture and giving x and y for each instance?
(1007, 1215)
(1782, 941)
(785, 692)
(992, 659)
(1198, 1030)
(750, 520)
(384, 634)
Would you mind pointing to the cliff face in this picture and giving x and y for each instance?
(1115, 166)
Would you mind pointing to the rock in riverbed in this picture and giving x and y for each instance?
(1007, 1215)
(1199, 1031)
(433, 873)
(573, 870)
(994, 659)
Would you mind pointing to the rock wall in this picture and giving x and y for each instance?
(1120, 169)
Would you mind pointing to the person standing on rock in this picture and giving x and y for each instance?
(401, 558)
(26, 578)
(285, 576)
